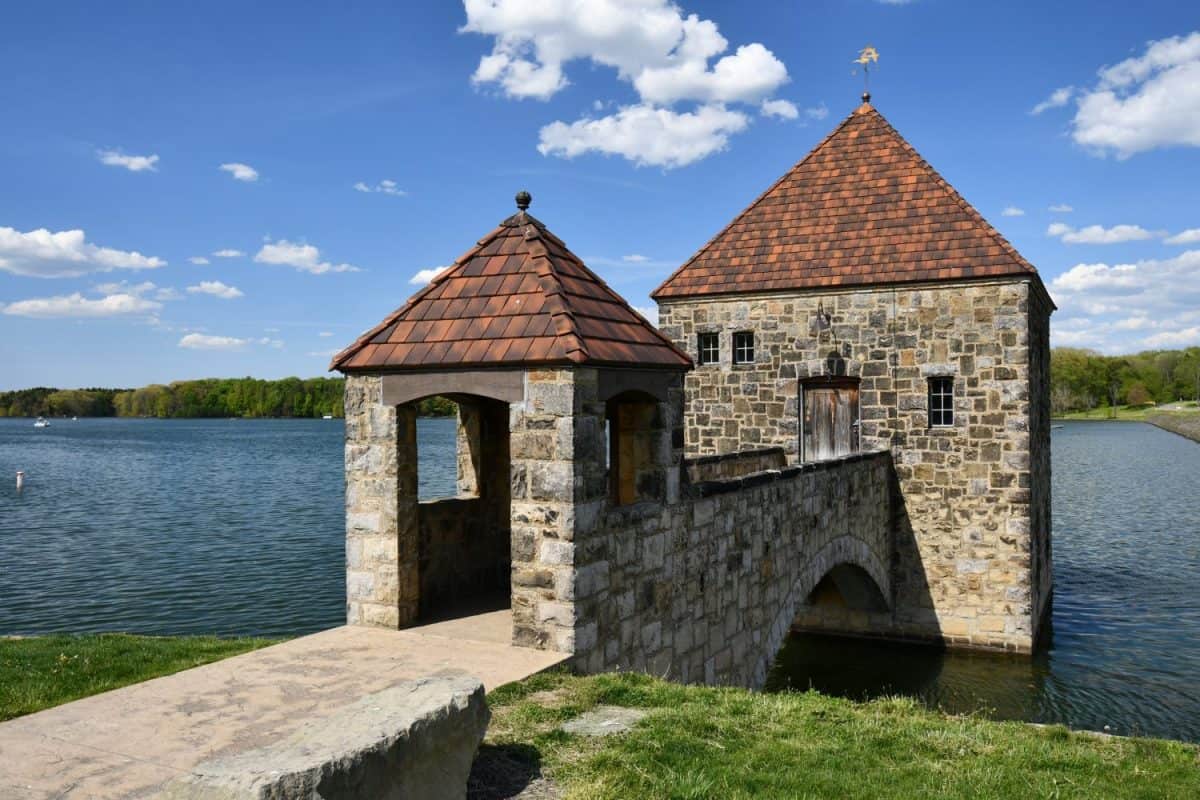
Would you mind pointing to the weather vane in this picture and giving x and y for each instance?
(867, 56)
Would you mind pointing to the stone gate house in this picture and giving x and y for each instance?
(842, 424)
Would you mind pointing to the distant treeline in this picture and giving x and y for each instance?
(212, 397)
(1081, 380)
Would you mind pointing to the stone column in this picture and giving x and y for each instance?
(381, 507)
(557, 487)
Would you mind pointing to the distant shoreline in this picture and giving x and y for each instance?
(1185, 425)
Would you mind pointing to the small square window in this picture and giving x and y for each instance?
(709, 346)
(941, 402)
(743, 348)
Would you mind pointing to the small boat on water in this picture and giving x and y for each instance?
(327, 416)
(42, 422)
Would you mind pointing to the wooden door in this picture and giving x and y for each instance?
(830, 420)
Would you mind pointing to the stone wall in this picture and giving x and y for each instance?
(734, 465)
(464, 544)
(705, 590)
(965, 550)
(1041, 567)
(381, 507)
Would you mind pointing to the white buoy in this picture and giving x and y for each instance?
(20, 480)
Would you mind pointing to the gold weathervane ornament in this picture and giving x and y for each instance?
(866, 57)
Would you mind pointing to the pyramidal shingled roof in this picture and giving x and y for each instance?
(519, 297)
(862, 208)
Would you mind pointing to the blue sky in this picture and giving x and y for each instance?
(334, 153)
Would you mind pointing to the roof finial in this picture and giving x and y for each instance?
(866, 57)
(524, 198)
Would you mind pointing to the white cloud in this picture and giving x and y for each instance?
(1061, 208)
(216, 289)
(44, 254)
(76, 305)
(240, 172)
(1012, 211)
(1057, 99)
(304, 257)
(1185, 337)
(646, 135)
(198, 260)
(228, 252)
(426, 276)
(817, 112)
(138, 290)
(651, 44)
(1128, 307)
(751, 74)
(1143, 103)
(383, 187)
(783, 109)
(1085, 277)
(203, 341)
(649, 312)
(635, 258)
(325, 334)
(1098, 234)
(324, 353)
(115, 158)
(1190, 236)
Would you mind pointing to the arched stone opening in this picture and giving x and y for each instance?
(847, 586)
(463, 558)
(634, 430)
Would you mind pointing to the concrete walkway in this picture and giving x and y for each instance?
(129, 742)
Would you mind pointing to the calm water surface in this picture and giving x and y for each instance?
(1124, 649)
(180, 526)
(201, 526)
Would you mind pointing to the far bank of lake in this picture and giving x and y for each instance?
(235, 527)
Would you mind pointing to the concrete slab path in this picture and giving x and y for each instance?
(129, 742)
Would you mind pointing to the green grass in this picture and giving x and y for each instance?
(703, 742)
(1123, 414)
(43, 671)
(696, 742)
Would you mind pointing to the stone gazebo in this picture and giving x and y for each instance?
(569, 401)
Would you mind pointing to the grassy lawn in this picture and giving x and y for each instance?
(43, 671)
(702, 742)
(696, 742)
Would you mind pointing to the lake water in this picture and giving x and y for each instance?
(235, 527)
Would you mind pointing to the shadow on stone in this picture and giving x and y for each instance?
(501, 772)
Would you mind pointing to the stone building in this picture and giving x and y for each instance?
(841, 424)
(860, 303)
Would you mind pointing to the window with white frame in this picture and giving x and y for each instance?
(743, 347)
(708, 346)
(941, 402)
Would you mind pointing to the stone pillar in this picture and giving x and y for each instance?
(381, 507)
(557, 488)
(468, 445)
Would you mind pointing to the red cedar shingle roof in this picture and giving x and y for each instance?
(862, 208)
(519, 297)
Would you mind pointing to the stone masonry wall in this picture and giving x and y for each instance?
(706, 589)
(1042, 579)
(734, 465)
(381, 507)
(964, 560)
